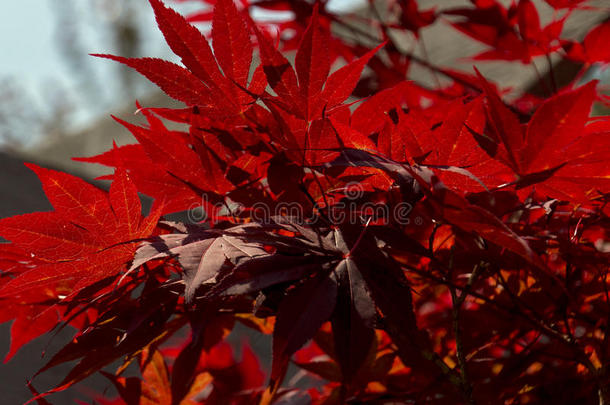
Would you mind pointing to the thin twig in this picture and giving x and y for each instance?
(458, 301)
(551, 73)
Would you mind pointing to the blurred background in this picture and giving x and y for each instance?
(51, 90)
(49, 85)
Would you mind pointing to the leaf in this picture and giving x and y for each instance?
(177, 158)
(188, 42)
(232, 52)
(231, 41)
(155, 386)
(150, 177)
(100, 346)
(97, 220)
(550, 154)
(392, 296)
(254, 275)
(302, 311)
(91, 235)
(341, 83)
(353, 319)
(214, 254)
(529, 21)
(412, 19)
(456, 210)
(174, 80)
(595, 44)
(554, 127)
(312, 62)
(235, 262)
(201, 258)
(280, 75)
(504, 127)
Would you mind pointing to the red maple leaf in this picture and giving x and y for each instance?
(91, 235)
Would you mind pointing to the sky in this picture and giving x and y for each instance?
(32, 61)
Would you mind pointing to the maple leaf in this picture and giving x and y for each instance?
(317, 265)
(297, 323)
(280, 75)
(341, 84)
(413, 19)
(202, 254)
(173, 79)
(150, 178)
(593, 48)
(492, 24)
(305, 97)
(202, 83)
(231, 42)
(91, 235)
(507, 212)
(134, 324)
(312, 62)
(559, 129)
(353, 319)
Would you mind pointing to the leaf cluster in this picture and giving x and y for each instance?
(400, 243)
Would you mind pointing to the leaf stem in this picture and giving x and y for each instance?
(551, 72)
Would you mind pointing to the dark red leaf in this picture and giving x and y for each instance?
(353, 320)
(301, 313)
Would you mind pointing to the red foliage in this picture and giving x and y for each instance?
(434, 245)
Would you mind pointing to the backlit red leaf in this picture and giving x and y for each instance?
(312, 61)
(174, 80)
(231, 41)
(341, 83)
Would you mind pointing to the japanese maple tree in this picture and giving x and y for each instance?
(400, 242)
